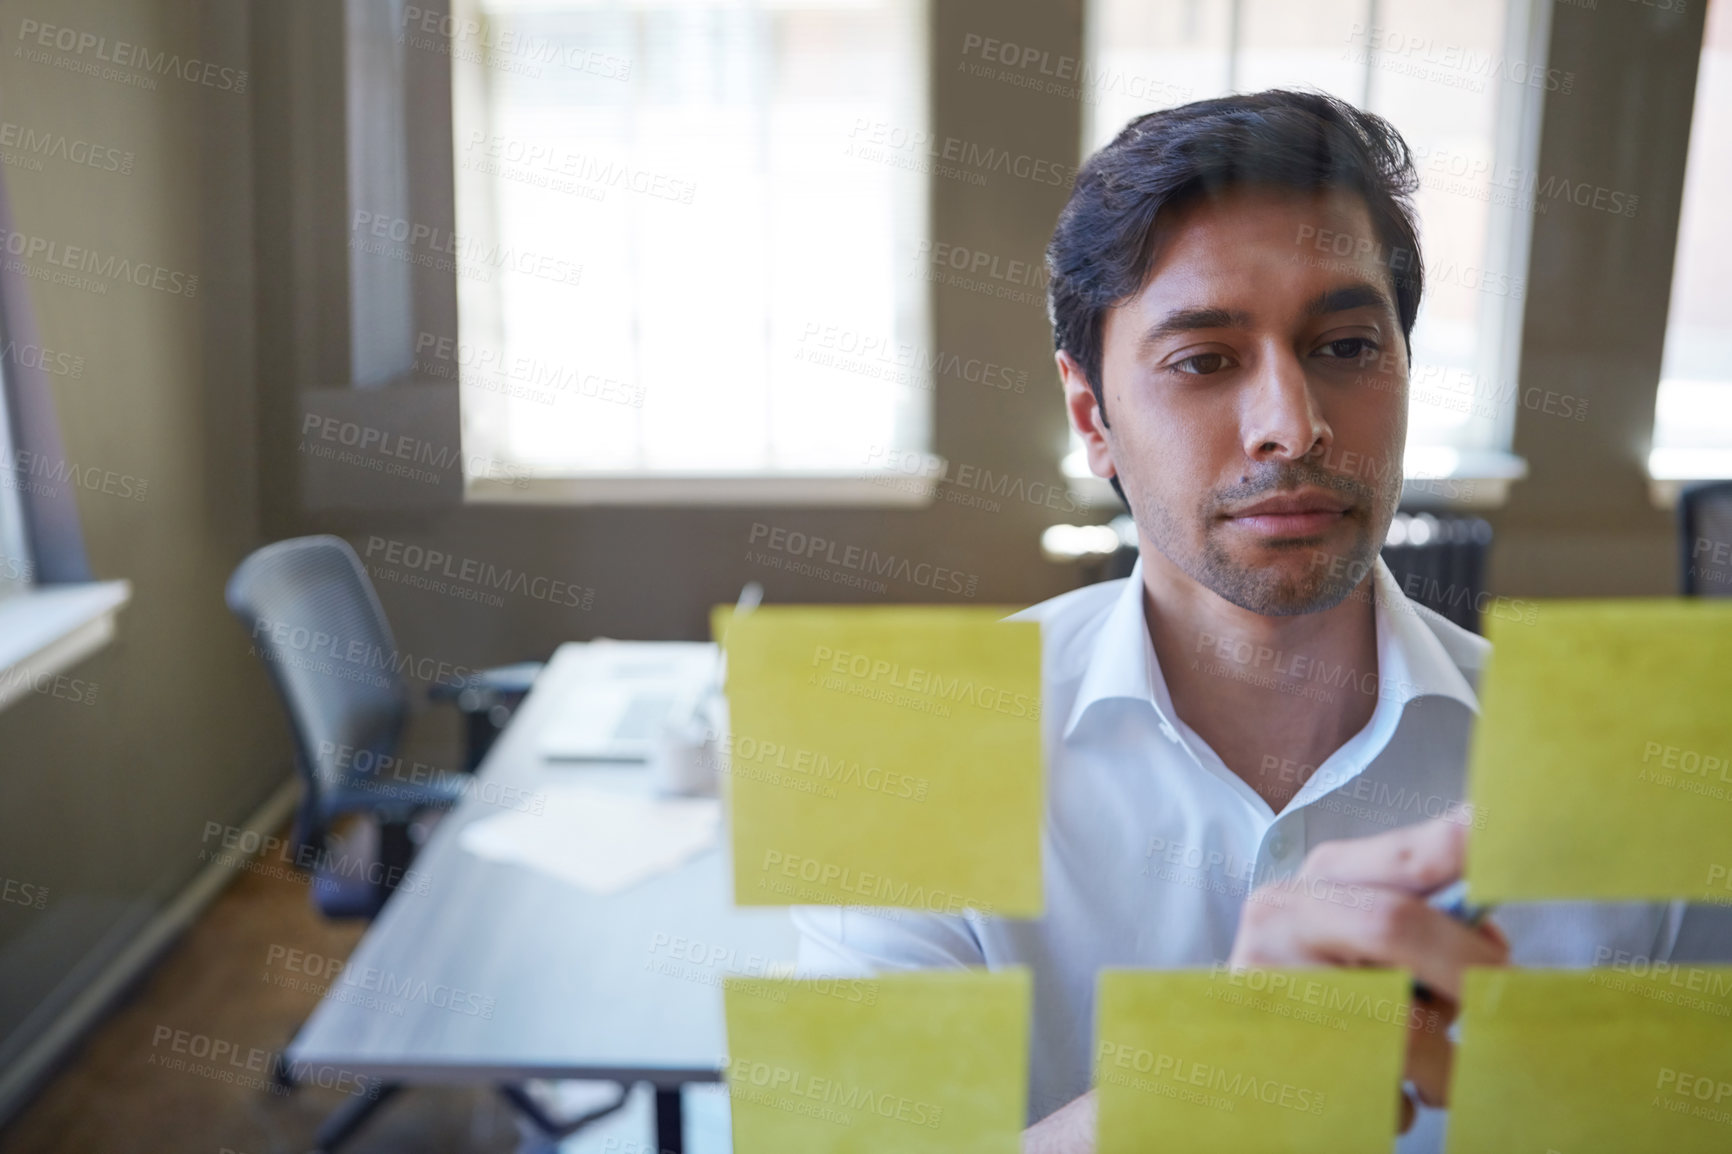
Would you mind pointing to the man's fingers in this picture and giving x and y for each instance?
(1402, 931)
(1417, 858)
(1361, 902)
(1380, 928)
(1430, 1057)
(1433, 1013)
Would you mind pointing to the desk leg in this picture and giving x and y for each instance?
(335, 1130)
(670, 1134)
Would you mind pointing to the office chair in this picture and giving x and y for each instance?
(1705, 539)
(317, 624)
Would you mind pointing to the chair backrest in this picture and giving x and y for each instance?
(1705, 539)
(317, 624)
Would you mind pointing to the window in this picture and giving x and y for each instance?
(1693, 411)
(1462, 82)
(685, 259)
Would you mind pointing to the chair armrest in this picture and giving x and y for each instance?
(393, 800)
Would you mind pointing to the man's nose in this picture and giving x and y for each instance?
(1281, 418)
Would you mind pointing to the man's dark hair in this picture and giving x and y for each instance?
(1304, 141)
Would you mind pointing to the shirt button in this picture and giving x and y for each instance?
(1278, 846)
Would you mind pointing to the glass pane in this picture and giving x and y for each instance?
(1693, 414)
(1435, 74)
(1302, 44)
(1450, 77)
(696, 167)
(1152, 55)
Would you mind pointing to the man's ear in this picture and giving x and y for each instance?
(1085, 415)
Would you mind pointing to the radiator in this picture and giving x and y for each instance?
(1440, 563)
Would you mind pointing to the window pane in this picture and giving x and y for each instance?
(1448, 76)
(1693, 413)
(697, 165)
(1152, 55)
(1434, 74)
(1302, 44)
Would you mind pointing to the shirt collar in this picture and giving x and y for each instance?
(1411, 661)
(1122, 655)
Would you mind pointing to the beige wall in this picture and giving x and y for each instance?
(104, 802)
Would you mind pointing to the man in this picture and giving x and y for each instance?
(1255, 744)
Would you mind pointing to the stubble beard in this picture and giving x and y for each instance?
(1327, 574)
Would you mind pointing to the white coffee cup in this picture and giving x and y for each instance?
(684, 761)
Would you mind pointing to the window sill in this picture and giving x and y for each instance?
(1670, 471)
(50, 628)
(1459, 480)
(1436, 479)
(863, 490)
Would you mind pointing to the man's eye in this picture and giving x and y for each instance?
(1202, 364)
(1350, 348)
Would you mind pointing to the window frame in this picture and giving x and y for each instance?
(18, 574)
(863, 487)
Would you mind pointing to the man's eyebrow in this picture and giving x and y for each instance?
(1353, 296)
(1360, 294)
(1191, 320)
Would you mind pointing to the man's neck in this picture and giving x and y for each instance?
(1272, 696)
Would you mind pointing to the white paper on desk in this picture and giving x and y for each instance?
(597, 840)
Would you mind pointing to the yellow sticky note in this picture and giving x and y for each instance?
(885, 757)
(914, 1062)
(1239, 1062)
(1603, 1061)
(1601, 767)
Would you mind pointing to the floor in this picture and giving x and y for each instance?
(128, 1090)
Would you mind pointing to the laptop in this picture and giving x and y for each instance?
(623, 694)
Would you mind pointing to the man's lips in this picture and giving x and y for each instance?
(1302, 514)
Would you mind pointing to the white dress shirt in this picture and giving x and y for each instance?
(1151, 843)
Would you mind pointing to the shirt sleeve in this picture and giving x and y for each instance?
(1704, 936)
(847, 942)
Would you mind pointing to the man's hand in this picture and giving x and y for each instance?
(1070, 1130)
(1361, 902)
